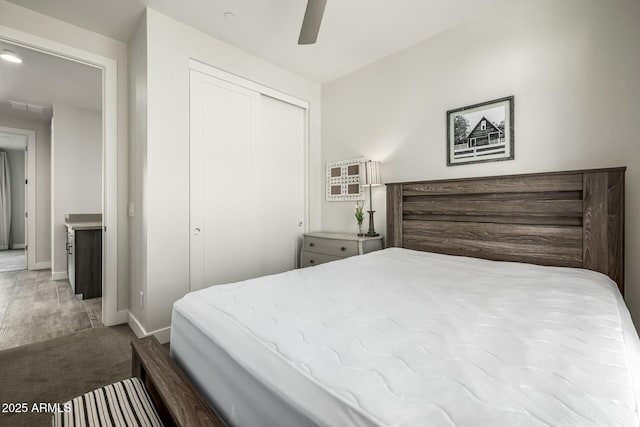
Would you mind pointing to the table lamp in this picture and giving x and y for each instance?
(370, 177)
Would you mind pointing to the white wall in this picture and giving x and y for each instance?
(40, 25)
(76, 173)
(170, 47)
(138, 165)
(16, 166)
(43, 179)
(573, 67)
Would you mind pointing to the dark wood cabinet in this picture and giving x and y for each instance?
(84, 249)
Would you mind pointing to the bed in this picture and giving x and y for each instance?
(498, 302)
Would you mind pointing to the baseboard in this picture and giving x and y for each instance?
(18, 246)
(42, 265)
(59, 275)
(161, 334)
(136, 326)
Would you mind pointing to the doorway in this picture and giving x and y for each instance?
(26, 140)
(15, 199)
(63, 171)
(112, 315)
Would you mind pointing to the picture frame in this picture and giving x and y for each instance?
(343, 180)
(481, 132)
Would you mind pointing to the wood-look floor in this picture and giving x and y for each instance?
(35, 308)
(13, 260)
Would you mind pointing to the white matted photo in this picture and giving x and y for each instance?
(343, 180)
(481, 133)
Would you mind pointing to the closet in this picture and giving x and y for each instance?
(247, 180)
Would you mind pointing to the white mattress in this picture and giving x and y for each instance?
(406, 338)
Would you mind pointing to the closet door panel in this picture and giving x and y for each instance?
(282, 172)
(224, 188)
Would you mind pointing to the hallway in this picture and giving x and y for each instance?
(34, 308)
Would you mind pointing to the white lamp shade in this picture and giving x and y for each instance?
(370, 174)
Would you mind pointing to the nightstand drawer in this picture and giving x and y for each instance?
(335, 247)
(308, 259)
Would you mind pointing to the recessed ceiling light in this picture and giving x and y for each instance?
(229, 16)
(10, 56)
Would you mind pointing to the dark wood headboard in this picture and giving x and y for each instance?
(567, 219)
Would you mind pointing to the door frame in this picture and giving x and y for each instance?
(228, 77)
(108, 66)
(247, 84)
(30, 199)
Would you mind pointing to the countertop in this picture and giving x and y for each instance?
(84, 225)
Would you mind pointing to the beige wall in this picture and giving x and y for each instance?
(138, 166)
(76, 173)
(43, 179)
(40, 25)
(572, 66)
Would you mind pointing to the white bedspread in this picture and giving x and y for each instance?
(405, 338)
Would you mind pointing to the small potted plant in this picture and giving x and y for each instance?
(359, 213)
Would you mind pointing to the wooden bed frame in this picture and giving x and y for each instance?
(176, 400)
(571, 219)
(567, 219)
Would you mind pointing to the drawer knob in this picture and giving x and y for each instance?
(311, 261)
(311, 244)
(343, 248)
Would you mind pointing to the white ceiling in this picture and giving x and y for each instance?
(11, 141)
(354, 33)
(43, 79)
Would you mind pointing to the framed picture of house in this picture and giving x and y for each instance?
(481, 132)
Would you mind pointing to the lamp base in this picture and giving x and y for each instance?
(372, 229)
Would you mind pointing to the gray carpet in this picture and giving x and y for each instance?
(13, 259)
(59, 369)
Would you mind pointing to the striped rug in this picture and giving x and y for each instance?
(122, 404)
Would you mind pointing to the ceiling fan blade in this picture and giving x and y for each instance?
(312, 21)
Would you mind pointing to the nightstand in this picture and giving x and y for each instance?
(318, 248)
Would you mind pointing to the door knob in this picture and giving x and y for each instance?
(196, 231)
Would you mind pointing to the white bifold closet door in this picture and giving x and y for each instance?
(247, 182)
